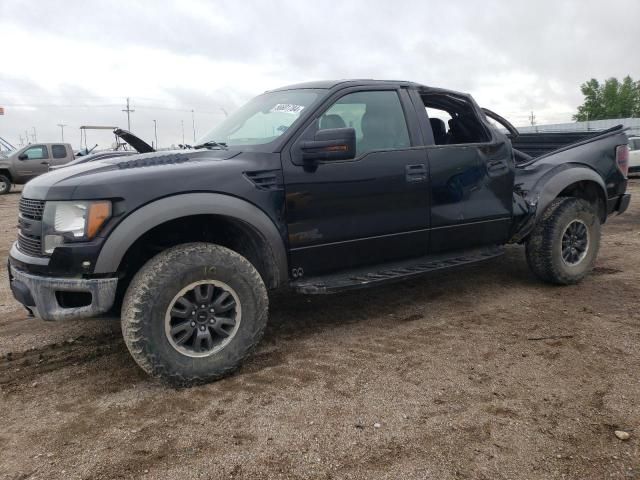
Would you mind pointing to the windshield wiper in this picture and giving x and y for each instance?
(212, 144)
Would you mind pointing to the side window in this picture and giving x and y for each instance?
(38, 152)
(634, 144)
(58, 151)
(376, 116)
(453, 120)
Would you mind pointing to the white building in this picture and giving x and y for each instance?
(632, 123)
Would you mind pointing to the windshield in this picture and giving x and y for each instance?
(264, 118)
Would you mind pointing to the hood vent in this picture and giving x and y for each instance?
(153, 160)
(268, 180)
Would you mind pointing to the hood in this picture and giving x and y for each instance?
(112, 176)
(137, 143)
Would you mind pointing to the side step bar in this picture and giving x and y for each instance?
(391, 272)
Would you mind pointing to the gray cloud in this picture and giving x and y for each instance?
(520, 56)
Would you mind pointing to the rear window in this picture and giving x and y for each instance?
(59, 151)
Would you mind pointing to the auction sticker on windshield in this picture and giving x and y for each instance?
(287, 108)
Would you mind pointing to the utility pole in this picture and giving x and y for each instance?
(193, 121)
(155, 132)
(26, 132)
(129, 111)
(21, 142)
(182, 123)
(62, 125)
(532, 119)
(35, 138)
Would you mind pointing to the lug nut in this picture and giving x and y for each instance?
(212, 321)
(202, 328)
(193, 313)
(203, 306)
(211, 310)
(193, 324)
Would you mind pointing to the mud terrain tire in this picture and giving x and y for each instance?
(150, 302)
(552, 240)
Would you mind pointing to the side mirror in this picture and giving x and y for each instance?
(330, 144)
(23, 156)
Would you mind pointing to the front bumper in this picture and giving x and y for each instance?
(46, 295)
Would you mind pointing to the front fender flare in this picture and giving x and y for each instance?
(184, 205)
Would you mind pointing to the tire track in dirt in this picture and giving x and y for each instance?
(20, 368)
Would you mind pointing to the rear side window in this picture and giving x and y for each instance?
(453, 120)
(37, 153)
(58, 151)
(634, 144)
(376, 116)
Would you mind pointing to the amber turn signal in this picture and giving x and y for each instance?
(99, 212)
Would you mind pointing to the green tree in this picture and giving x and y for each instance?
(611, 99)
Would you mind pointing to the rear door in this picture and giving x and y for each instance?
(36, 162)
(368, 210)
(60, 154)
(471, 171)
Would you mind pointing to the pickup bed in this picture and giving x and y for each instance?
(318, 188)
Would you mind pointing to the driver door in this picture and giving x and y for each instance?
(36, 162)
(371, 209)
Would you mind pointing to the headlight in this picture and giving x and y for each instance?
(65, 222)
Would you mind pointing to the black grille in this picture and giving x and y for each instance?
(31, 208)
(30, 245)
(28, 241)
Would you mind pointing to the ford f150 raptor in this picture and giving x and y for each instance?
(318, 187)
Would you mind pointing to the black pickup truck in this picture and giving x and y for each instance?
(319, 187)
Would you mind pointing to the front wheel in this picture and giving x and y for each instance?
(563, 246)
(193, 313)
(5, 184)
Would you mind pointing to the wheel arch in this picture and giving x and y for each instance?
(255, 227)
(5, 171)
(579, 182)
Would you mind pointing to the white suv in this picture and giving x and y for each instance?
(634, 154)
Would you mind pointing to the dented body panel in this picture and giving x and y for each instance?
(438, 195)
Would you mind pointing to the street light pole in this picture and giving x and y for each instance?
(155, 132)
(193, 121)
(182, 123)
(62, 125)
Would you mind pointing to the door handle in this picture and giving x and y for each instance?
(415, 173)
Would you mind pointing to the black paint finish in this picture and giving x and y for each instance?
(382, 206)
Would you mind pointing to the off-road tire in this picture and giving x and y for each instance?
(544, 246)
(5, 184)
(153, 289)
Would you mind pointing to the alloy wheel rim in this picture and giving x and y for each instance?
(203, 318)
(575, 243)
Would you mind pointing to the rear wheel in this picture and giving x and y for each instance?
(5, 184)
(563, 246)
(193, 313)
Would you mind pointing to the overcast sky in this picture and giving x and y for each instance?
(75, 62)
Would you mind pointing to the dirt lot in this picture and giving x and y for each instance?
(436, 378)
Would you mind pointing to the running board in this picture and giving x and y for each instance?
(391, 272)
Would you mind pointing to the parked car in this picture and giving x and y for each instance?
(320, 187)
(30, 161)
(138, 145)
(634, 154)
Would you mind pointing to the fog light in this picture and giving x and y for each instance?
(51, 242)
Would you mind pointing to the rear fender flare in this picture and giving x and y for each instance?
(548, 190)
(184, 205)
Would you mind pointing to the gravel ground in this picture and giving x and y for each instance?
(442, 377)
